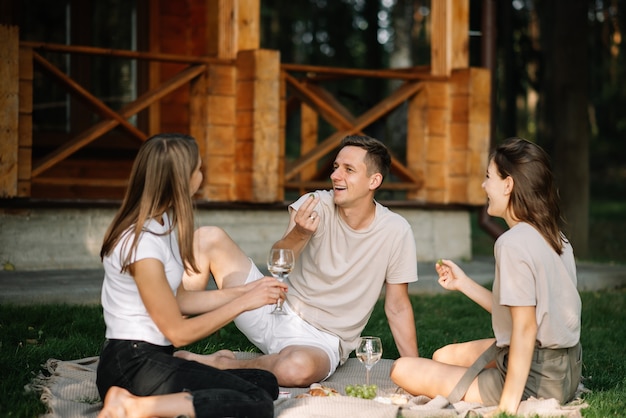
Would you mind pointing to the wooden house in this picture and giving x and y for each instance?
(196, 66)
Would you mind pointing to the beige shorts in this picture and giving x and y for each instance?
(272, 333)
(554, 373)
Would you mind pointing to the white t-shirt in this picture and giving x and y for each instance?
(125, 315)
(340, 273)
(530, 273)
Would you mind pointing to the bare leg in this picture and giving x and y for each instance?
(294, 366)
(120, 403)
(463, 354)
(422, 376)
(218, 255)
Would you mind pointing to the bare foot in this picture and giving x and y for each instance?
(219, 359)
(116, 403)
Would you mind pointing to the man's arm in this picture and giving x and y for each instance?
(399, 313)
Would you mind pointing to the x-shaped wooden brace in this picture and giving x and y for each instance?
(112, 118)
(346, 127)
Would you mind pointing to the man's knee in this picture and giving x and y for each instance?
(301, 368)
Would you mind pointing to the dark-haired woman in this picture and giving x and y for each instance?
(535, 306)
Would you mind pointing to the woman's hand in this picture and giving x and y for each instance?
(265, 291)
(450, 275)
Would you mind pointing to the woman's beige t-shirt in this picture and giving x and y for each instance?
(339, 275)
(530, 273)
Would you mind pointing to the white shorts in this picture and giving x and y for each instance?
(272, 333)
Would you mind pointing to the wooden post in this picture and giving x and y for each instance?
(154, 67)
(438, 142)
(25, 124)
(9, 103)
(448, 138)
(308, 139)
(219, 143)
(258, 120)
(450, 36)
(248, 24)
(479, 120)
(230, 106)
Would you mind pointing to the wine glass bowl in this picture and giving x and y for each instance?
(369, 352)
(280, 262)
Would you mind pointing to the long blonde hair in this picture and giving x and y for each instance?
(159, 182)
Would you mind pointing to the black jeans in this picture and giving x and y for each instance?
(147, 369)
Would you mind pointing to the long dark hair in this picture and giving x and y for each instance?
(159, 182)
(534, 198)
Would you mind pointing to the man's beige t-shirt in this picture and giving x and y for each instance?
(530, 273)
(340, 273)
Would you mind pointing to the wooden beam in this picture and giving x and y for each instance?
(450, 36)
(222, 28)
(9, 103)
(309, 127)
(25, 124)
(126, 112)
(327, 97)
(346, 128)
(248, 24)
(77, 181)
(441, 38)
(122, 53)
(460, 34)
(325, 108)
(413, 74)
(90, 99)
(317, 185)
(154, 67)
(258, 102)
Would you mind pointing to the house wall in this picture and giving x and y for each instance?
(51, 239)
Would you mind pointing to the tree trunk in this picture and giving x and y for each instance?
(563, 126)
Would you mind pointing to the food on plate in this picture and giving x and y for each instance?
(317, 389)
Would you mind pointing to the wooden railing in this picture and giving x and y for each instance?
(442, 142)
(111, 118)
(309, 92)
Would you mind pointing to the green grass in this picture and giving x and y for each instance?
(30, 335)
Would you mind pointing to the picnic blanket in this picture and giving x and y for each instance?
(68, 389)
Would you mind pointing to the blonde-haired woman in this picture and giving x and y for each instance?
(146, 251)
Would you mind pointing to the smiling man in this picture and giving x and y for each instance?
(348, 247)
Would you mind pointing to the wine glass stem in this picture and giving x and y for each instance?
(279, 302)
(367, 376)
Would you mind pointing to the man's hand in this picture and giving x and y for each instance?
(307, 219)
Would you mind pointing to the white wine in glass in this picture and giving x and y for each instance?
(369, 352)
(280, 263)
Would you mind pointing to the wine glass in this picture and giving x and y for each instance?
(280, 262)
(369, 351)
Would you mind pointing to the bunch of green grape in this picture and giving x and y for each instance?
(362, 391)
